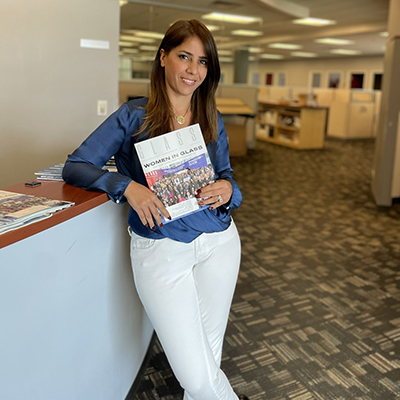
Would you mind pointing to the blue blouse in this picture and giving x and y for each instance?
(113, 137)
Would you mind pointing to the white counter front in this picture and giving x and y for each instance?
(72, 326)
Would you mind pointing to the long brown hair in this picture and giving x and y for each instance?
(203, 105)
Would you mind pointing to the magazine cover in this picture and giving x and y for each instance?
(176, 165)
(18, 210)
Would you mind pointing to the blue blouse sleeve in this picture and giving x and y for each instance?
(222, 165)
(83, 167)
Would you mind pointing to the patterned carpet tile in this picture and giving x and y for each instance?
(316, 313)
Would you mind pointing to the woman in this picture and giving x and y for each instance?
(185, 271)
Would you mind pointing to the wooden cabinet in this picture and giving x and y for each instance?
(300, 127)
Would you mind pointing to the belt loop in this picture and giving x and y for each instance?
(129, 230)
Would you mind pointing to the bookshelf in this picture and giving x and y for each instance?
(291, 125)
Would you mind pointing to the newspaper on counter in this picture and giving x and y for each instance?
(18, 210)
(176, 165)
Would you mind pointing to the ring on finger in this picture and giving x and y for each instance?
(220, 198)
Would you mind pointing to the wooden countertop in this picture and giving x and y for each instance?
(286, 104)
(233, 106)
(84, 201)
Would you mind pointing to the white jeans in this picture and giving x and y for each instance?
(186, 290)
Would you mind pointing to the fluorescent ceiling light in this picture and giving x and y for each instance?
(314, 21)
(271, 56)
(255, 50)
(286, 46)
(303, 54)
(222, 39)
(245, 32)
(143, 58)
(136, 39)
(384, 34)
(252, 58)
(131, 51)
(226, 59)
(225, 52)
(147, 34)
(346, 52)
(238, 19)
(129, 44)
(334, 41)
(213, 28)
(146, 47)
(122, 3)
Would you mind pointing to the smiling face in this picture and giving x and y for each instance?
(185, 67)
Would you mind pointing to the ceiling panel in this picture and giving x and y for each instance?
(358, 20)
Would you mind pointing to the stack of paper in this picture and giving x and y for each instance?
(18, 210)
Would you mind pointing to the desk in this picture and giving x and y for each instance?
(72, 325)
(234, 107)
(228, 106)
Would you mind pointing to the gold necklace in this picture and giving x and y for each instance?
(180, 119)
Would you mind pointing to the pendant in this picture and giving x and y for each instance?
(180, 120)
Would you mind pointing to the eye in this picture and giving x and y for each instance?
(204, 62)
(183, 56)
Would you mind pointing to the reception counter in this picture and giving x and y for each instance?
(72, 325)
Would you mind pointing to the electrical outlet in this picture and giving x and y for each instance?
(102, 107)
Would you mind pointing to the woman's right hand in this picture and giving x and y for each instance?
(145, 203)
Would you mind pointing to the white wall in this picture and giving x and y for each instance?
(298, 73)
(49, 86)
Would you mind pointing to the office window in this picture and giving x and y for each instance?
(356, 81)
(281, 79)
(334, 80)
(269, 79)
(256, 78)
(377, 84)
(316, 78)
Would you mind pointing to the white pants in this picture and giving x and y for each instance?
(186, 290)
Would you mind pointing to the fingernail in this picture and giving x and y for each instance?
(211, 208)
(153, 228)
(169, 218)
(201, 203)
(147, 225)
(197, 196)
(199, 191)
(161, 225)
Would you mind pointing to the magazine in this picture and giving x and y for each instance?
(176, 165)
(17, 210)
(54, 173)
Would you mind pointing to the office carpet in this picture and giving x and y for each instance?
(316, 313)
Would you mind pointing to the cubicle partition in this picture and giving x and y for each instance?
(353, 113)
(133, 88)
(248, 94)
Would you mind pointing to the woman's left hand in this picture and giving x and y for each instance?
(216, 194)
